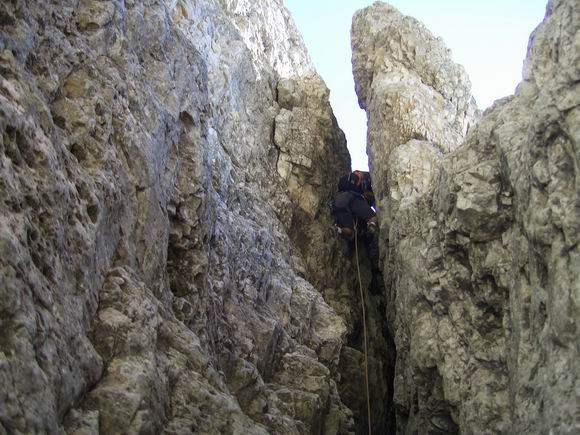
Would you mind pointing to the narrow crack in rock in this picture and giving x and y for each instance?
(168, 262)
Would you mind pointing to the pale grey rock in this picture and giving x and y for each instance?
(478, 234)
(404, 77)
(306, 136)
(270, 35)
(166, 261)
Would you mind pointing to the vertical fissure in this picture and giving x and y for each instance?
(381, 350)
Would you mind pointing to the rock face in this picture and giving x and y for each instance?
(480, 233)
(165, 254)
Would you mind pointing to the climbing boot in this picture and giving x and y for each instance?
(344, 236)
(373, 228)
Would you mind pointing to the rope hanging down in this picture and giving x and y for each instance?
(362, 302)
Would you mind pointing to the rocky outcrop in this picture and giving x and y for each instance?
(166, 264)
(479, 232)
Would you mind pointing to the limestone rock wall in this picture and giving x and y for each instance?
(479, 232)
(165, 253)
(304, 142)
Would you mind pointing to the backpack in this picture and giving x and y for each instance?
(360, 182)
(346, 184)
(357, 181)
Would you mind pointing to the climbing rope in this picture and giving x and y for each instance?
(362, 304)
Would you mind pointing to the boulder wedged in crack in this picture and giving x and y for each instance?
(479, 233)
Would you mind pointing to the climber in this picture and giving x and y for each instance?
(353, 204)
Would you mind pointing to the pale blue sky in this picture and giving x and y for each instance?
(488, 37)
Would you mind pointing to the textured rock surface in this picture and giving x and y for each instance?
(165, 253)
(304, 141)
(405, 78)
(480, 238)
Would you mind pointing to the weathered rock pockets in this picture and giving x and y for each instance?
(481, 254)
(165, 168)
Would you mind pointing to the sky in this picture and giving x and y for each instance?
(488, 37)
